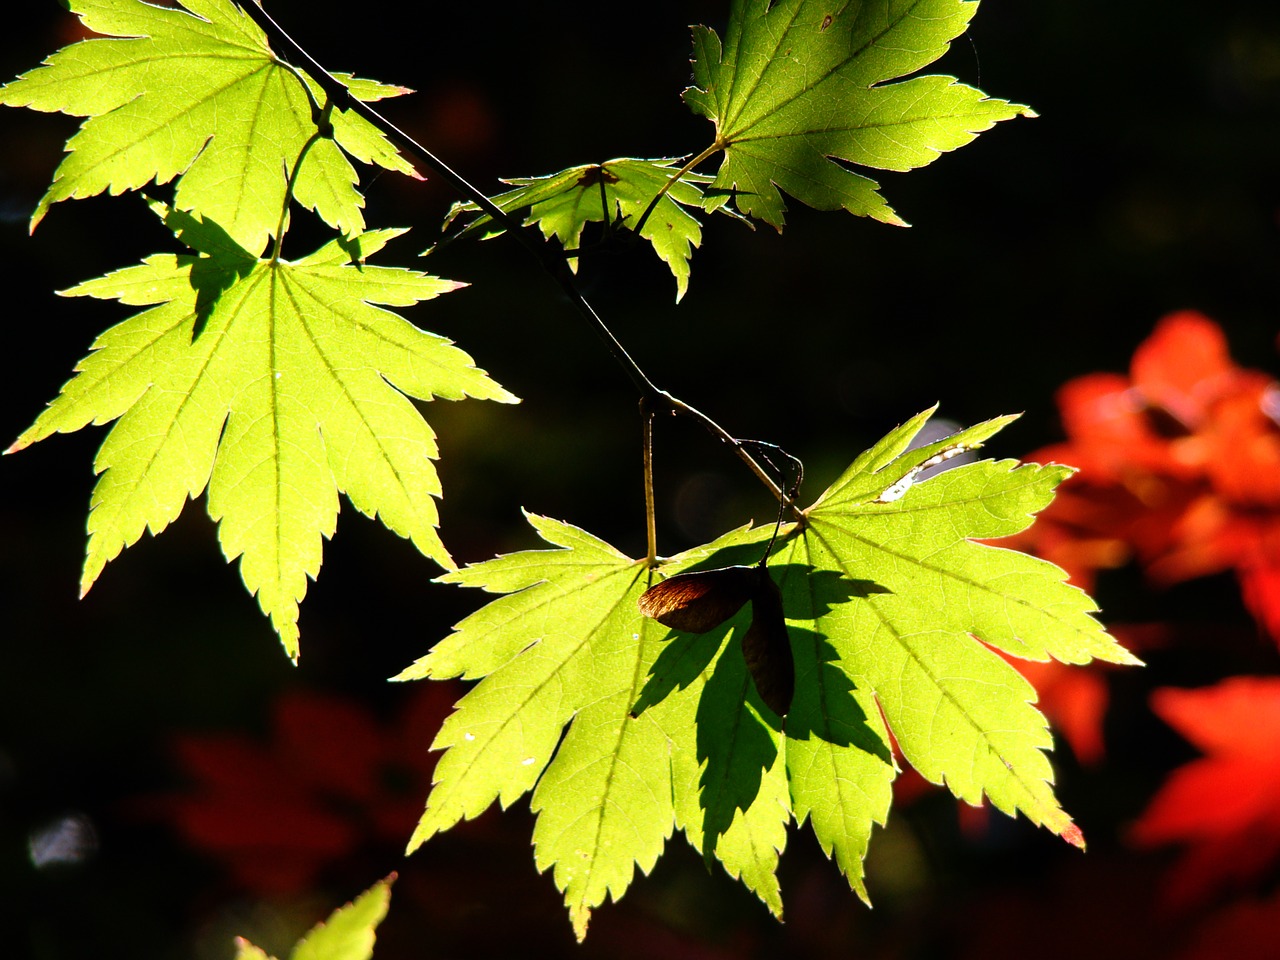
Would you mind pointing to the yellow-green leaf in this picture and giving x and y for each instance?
(801, 89)
(195, 92)
(276, 384)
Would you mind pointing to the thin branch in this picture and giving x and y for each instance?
(553, 262)
(650, 519)
(739, 447)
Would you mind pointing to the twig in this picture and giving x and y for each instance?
(554, 263)
(651, 523)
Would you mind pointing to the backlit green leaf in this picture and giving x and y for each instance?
(197, 94)
(278, 385)
(892, 609)
(348, 933)
(799, 89)
(618, 191)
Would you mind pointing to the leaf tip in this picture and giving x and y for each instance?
(1126, 658)
(580, 916)
(421, 834)
(1073, 835)
(88, 576)
(420, 669)
(20, 444)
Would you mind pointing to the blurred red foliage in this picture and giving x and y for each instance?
(1180, 472)
(330, 782)
(1225, 806)
(1179, 469)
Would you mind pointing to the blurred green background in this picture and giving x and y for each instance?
(1046, 249)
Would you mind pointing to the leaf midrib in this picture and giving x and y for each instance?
(854, 55)
(887, 624)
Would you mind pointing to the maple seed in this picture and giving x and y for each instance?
(767, 648)
(597, 174)
(698, 602)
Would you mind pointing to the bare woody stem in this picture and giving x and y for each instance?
(555, 264)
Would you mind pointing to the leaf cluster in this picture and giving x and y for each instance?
(625, 730)
(273, 384)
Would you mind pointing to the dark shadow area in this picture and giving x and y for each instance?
(681, 662)
(734, 742)
(224, 264)
(824, 704)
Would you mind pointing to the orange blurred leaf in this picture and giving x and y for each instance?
(1225, 806)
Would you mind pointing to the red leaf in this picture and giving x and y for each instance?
(1074, 699)
(1179, 469)
(330, 781)
(1183, 366)
(1225, 807)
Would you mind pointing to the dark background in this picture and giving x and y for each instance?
(1046, 249)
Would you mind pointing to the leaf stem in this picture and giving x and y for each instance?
(675, 177)
(651, 523)
(293, 179)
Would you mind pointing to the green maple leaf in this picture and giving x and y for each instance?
(197, 94)
(927, 603)
(891, 608)
(798, 88)
(348, 933)
(277, 384)
(568, 646)
(618, 191)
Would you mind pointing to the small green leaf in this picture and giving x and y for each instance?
(799, 88)
(619, 191)
(197, 94)
(348, 934)
(278, 385)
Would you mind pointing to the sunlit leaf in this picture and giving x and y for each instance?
(616, 191)
(348, 933)
(278, 384)
(624, 729)
(195, 93)
(800, 90)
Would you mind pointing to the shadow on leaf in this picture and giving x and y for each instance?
(734, 741)
(224, 262)
(681, 662)
(824, 705)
